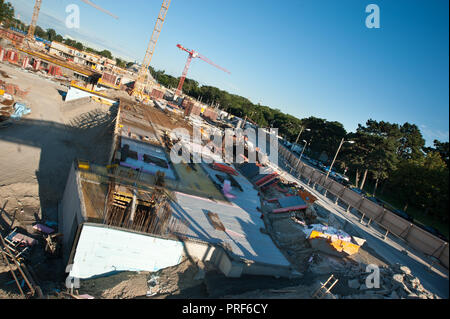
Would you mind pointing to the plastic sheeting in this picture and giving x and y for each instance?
(102, 250)
(327, 230)
(20, 110)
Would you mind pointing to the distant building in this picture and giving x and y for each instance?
(84, 58)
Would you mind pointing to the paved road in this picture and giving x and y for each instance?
(392, 249)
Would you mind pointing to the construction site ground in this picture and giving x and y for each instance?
(391, 250)
(36, 155)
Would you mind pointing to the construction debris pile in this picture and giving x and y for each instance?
(8, 108)
(14, 250)
(396, 282)
(12, 90)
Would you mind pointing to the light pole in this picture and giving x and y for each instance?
(299, 159)
(298, 137)
(340, 145)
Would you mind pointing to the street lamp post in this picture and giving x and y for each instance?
(299, 159)
(298, 137)
(335, 156)
(340, 145)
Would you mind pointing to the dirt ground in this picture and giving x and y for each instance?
(179, 281)
(37, 153)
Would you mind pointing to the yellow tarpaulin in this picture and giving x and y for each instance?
(337, 244)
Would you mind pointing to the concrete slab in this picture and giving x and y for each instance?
(242, 226)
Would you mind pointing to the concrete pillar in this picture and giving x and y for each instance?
(37, 64)
(362, 218)
(25, 62)
(133, 207)
(348, 208)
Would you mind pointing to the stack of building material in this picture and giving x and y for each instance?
(11, 35)
(186, 102)
(12, 57)
(331, 240)
(157, 94)
(110, 80)
(12, 89)
(210, 113)
(192, 108)
(307, 196)
(54, 70)
(288, 204)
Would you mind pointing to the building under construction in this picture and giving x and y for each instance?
(144, 212)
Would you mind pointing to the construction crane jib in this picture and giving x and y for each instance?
(192, 54)
(141, 80)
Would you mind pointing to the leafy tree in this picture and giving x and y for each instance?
(6, 12)
(51, 34)
(442, 148)
(381, 141)
(58, 38)
(106, 54)
(326, 135)
(39, 32)
(423, 183)
(411, 142)
(120, 63)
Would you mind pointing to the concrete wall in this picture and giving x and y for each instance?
(70, 211)
(232, 266)
(413, 235)
(76, 94)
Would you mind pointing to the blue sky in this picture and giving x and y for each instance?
(306, 58)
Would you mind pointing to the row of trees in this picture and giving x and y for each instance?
(396, 157)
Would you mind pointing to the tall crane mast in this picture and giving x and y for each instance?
(140, 83)
(193, 54)
(34, 18)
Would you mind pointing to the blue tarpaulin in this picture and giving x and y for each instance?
(20, 110)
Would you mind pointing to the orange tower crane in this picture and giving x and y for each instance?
(141, 81)
(193, 54)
